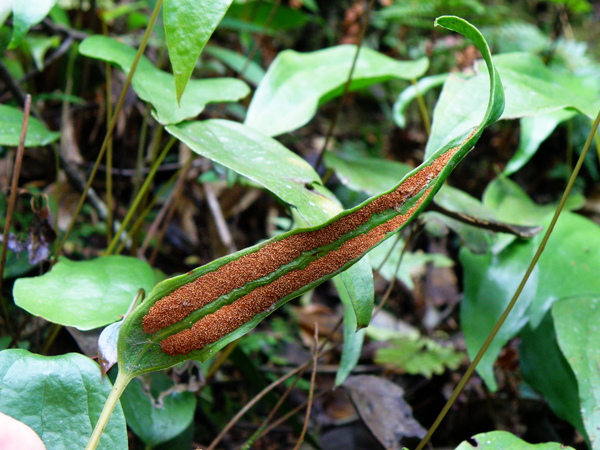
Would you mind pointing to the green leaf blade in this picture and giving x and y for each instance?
(578, 333)
(84, 294)
(157, 87)
(503, 439)
(59, 397)
(157, 412)
(189, 25)
(10, 129)
(296, 83)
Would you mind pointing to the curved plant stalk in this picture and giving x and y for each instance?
(140, 195)
(463, 381)
(111, 128)
(123, 379)
(12, 199)
(340, 103)
(196, 314)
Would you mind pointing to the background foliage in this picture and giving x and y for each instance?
(219, 145)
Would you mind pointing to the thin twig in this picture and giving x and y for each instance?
(217, 213)
(285, 417)
(165, 211)
(463, 381)
(340, 104)
(12, 201)
(111, 126)
(260, 395)
(311, 391)
(486, 224)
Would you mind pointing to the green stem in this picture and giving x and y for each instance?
(123, 379)
(140, 196)
(422, 108)
(513, 301)
(111, 127)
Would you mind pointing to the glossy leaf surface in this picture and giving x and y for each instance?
(60, 397)
(188, 27)
(157, 87)
(577, 323)
(155, 410)
(296, 83)
(84, 294)
(10, 129)
(567, 268)
(506, 441)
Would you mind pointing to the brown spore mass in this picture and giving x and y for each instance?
(235, 274)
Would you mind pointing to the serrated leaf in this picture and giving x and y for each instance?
(189, 25)
(421, 356)
(84, 294)
(60, 397)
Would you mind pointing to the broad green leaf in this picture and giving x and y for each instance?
(188, 27)
(546, 370)
(368, 175)
(261, 159)
(567, 268)
(534, 131)
(510, 203)
(157, 87)
(357, 292)
(530, 88)
(266, 17)
(489, 283)
(249, 70)
(517, 37)
(296, 83)
(494, 440)
(140, 351)
(84, 294)
(353, 338)
(577, 323)
(569, 265)
(158, 412)
(10, 129)
(60, 397)
(27, 14)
